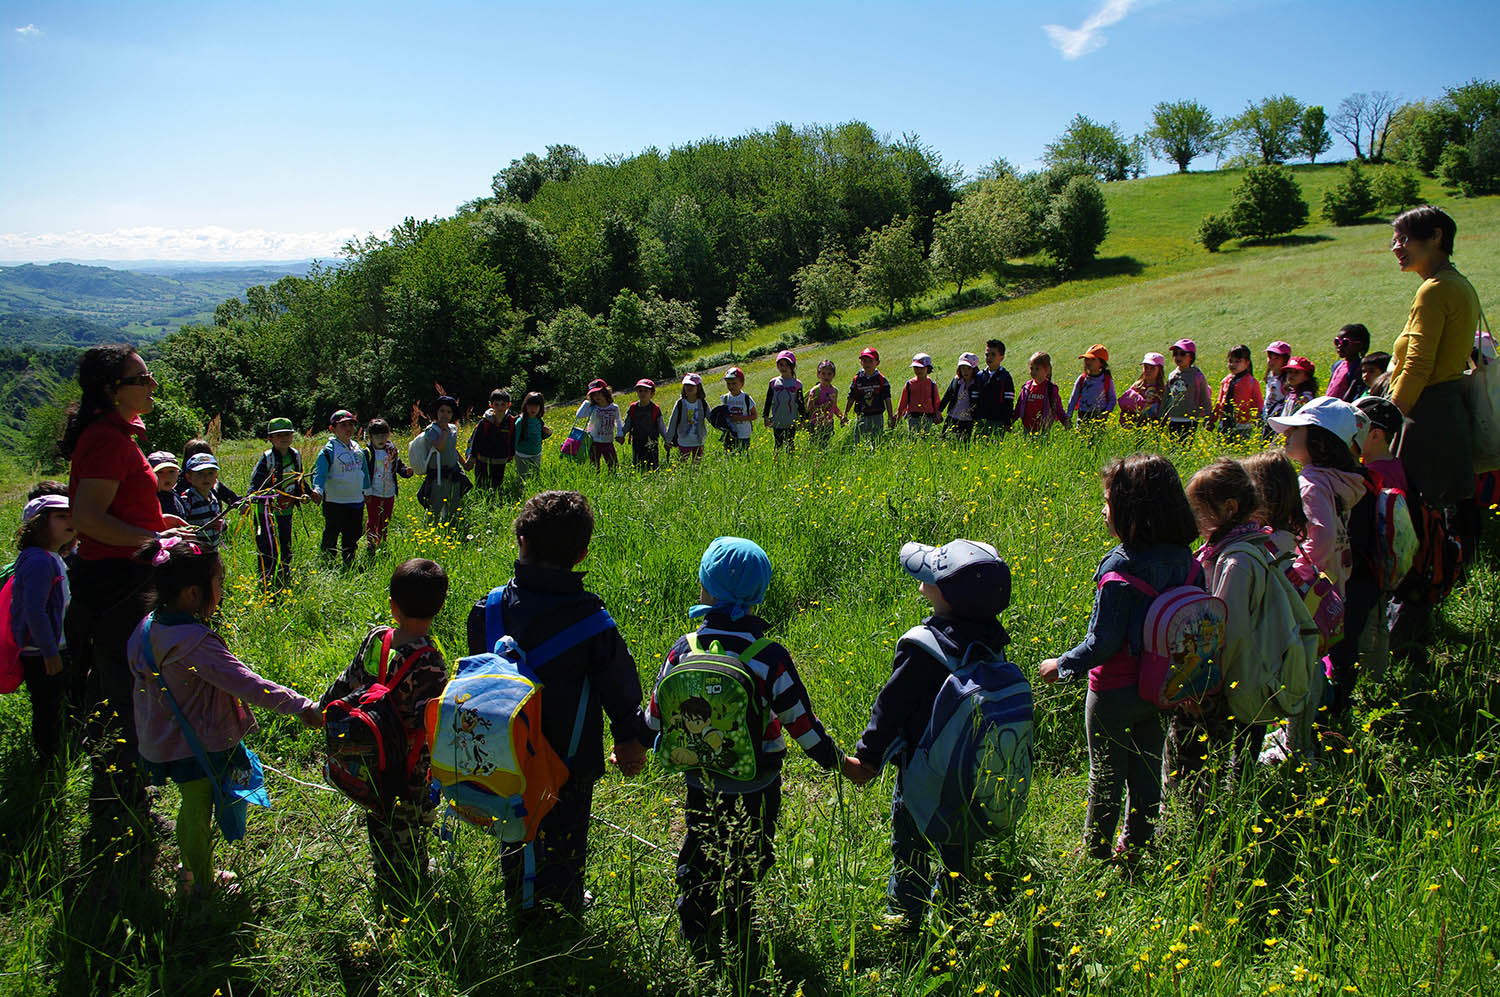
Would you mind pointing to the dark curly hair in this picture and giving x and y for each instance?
(1146, 502)
(557, 527)
(99, 372)
(1216, 488)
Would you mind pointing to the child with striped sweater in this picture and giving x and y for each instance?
(731, 824)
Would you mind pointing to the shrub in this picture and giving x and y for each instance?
(1077, 222)
(172, 420)
(1214, 231)
(1350, 200)
(1395, 189)
(1268, 202)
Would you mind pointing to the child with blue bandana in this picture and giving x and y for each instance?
(731, 824)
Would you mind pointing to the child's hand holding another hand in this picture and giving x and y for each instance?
(857, 771)
(1048, 670)
(629, 757)
(311, 717)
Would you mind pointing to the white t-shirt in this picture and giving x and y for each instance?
(741, 404)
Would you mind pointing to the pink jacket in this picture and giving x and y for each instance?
(1328, 496)
(211, 685)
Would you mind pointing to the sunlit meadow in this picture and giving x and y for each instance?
(1374, 873)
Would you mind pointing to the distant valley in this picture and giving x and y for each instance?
(72, 304)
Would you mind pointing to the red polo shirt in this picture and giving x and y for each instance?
(108, 451)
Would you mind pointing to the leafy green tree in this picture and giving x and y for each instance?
(1101, 149)
(1474, 102)
(632, 346)
(1076, 223)
(965, 242)
(568, 350)
(892, 267)
(520, 247)
(1349, 200)
(1268, 202)
(1214, 231)
(825, 287)
(1181, 131)
(1395, 188)
(1312, 134)
(675, 323)
(734, 322)
(1474, 168)
(523, 178)
(1269, 129)
(1419, 132)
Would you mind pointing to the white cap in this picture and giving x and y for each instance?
(1338, 417)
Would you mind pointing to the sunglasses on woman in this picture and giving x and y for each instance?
(137, 380)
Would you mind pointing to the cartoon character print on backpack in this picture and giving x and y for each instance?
(709, 701)
(699, 744)
(469, 730)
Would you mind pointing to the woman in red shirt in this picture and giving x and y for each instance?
(112, 491)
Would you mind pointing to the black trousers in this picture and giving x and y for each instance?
(561, 851)
(728, 848)
(489, 475)
(47, 694)
(343, 523)
(109, 600)
(1361, 594)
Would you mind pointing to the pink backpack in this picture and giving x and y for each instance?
(1182, 640)
(11, 672)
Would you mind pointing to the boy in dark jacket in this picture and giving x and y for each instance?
(731, 824)
(968, 586)
(543, 598)
(493, 442)
(277, 484)
(997, 392)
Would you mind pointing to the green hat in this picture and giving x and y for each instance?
(280, 425)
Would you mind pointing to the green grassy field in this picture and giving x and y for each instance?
(1374, 874)
(1153, 284)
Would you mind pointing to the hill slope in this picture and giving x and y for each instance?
(1154, 284)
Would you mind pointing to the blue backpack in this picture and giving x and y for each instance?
(968, 776)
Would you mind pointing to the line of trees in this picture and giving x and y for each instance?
(570, 268)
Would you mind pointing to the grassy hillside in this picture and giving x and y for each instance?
(1153, 284)
(1370, 875)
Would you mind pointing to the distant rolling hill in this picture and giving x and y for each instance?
(138, 305)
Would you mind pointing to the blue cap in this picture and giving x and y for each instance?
(972, 576)
(735, 573)
(202, 461)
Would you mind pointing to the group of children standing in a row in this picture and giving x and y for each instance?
(978, 397)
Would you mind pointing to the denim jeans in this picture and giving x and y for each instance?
(913, 888)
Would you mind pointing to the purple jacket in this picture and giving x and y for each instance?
(210, 684)
(39, 598)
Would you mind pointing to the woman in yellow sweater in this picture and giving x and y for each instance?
(1427, 368)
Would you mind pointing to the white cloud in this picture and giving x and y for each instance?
(1080, 41)
(28, 31)
(149, 242)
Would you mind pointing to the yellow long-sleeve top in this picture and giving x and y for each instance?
(1434, 347)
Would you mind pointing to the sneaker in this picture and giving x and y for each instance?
(1276, 748)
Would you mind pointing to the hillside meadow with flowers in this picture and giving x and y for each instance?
(1373, 873)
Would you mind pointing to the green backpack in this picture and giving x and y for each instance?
(711, 717)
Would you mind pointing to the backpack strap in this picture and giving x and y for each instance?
(494, 617)
(220, 799)
(923, 636)
(1132, 581)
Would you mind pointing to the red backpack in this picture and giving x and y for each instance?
(1439, 557)
(371, 753)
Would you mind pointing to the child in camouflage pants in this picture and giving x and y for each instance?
(398, 835)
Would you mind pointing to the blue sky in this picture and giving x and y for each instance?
(202, 130)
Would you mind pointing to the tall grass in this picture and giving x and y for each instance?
(1372, 874)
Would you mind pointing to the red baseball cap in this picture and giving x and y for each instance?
(1301, 363)
(598, 384)
(646, 383)
(871, 352)
(734, 372)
